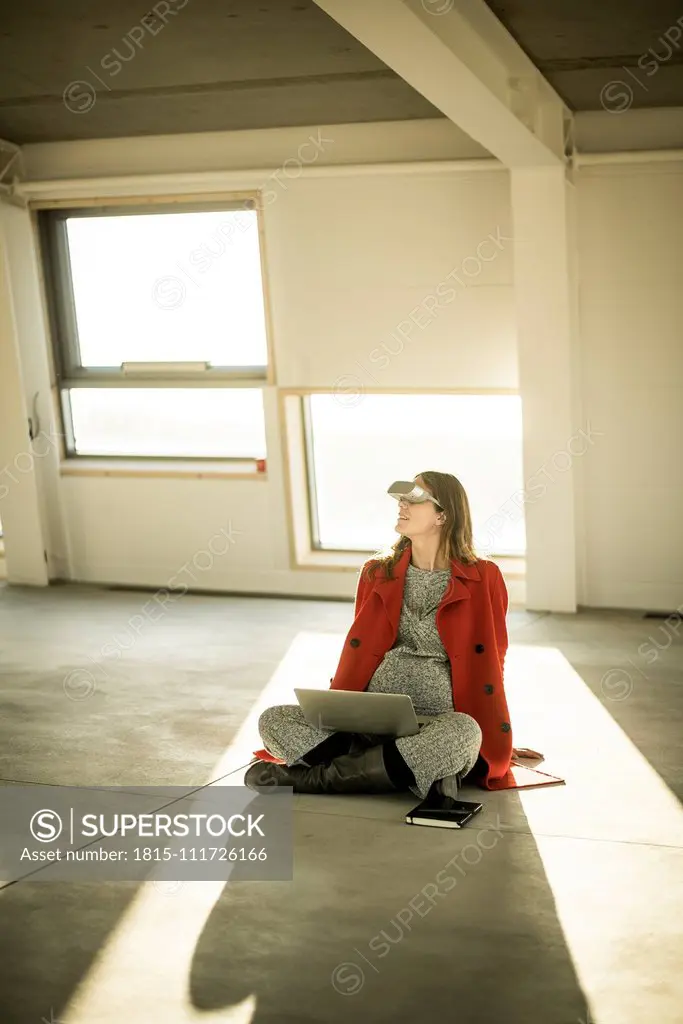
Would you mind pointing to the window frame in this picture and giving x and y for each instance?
(68, 371)
(311, 488)
(140, 460)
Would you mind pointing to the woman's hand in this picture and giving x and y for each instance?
(527, 752)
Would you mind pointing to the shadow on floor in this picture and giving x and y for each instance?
(342, 941)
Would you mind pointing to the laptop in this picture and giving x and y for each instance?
(381, 714)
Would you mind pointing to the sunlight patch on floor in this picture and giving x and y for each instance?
(612, 792)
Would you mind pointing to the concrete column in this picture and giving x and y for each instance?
(555, 437)
(30, 320)
(19, 499)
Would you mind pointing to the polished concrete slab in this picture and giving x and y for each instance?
(560, 905)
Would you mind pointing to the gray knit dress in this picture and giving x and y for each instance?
(416, 665)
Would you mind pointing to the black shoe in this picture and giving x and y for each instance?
(360, 772)
(265, 774)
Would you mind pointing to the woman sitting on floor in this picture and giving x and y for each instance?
(429, 622)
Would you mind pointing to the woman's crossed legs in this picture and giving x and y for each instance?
(446, 747)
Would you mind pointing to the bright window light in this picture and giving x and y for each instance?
(147, 302)
(356, 451)
(168, 287)
(182, 422)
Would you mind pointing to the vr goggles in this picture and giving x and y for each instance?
(408, 490)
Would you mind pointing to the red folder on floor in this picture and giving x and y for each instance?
(265, 755)
(520, 776)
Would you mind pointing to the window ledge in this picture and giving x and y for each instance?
(191, 469)
(348, 560)
(513, 567)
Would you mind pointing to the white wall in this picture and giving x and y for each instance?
(349, 257)
(631, 264)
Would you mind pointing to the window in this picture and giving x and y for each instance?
(159, 322)
(355, 452)
(179, 423)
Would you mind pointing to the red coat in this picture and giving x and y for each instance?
(470, 620)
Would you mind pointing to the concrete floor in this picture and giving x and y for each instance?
(573, 914)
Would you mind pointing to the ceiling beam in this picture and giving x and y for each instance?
(460, 57)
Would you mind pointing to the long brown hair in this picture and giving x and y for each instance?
(456, 536)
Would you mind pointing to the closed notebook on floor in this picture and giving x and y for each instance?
(443, 812)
